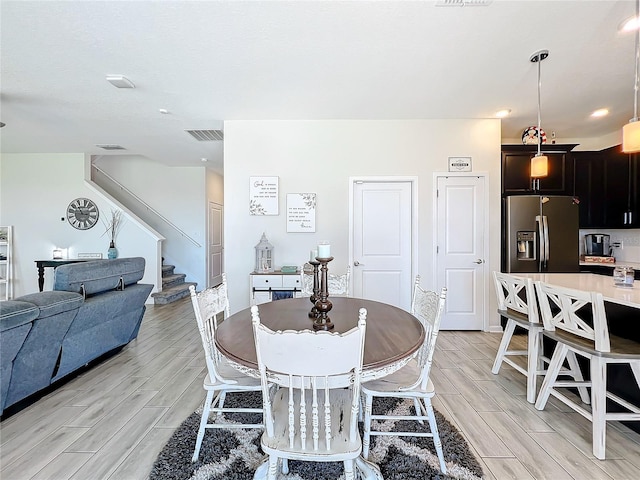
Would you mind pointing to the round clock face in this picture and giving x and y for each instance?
(82, 213)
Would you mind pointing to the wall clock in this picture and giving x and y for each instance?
(82, 213)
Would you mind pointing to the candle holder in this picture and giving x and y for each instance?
(315, 295)
(323, 305)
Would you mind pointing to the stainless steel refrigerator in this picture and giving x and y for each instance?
(541, 234)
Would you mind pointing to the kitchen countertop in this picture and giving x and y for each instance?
(591, 282)
(618, 263)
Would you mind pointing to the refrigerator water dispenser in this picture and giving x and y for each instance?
(526, 245)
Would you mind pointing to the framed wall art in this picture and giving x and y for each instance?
(301, 212)
(263, 196)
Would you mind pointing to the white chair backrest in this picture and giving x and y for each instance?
(309, 364)
(517, 294)
(574, 311)
(306, 282)
(210, 306)
(338, 284)
(427, 307)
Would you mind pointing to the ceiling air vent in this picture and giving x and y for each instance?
(107, 146)
(206, 135)
(463, 3)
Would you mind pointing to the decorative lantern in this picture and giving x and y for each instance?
(264, 256)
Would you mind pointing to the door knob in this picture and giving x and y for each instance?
(479, 261)
(357, 263)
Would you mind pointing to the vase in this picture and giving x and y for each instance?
(112, 252)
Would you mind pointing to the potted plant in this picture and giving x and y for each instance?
(113, 224)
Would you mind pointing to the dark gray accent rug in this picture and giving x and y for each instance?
(234, 454)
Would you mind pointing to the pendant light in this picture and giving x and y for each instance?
(631, 131)
(539, 163)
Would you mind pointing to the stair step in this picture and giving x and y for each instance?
(167, 269)
(171, 294)
(172, 280)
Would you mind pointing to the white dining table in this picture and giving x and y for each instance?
(591, 282)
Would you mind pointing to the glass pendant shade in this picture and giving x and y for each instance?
(631, 137)
(539, 166)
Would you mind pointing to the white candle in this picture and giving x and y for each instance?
(313, 255)
(324, 250)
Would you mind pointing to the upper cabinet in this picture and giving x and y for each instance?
(621, 189)
(516, 170)
(589, 188)
(608, 186)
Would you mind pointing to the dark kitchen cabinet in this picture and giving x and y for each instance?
(516, 169)
(621, 189)
(589, 187)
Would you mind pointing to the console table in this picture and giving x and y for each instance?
(263, 286)
(42, 264)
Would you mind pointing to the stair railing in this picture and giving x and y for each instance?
(146, 205)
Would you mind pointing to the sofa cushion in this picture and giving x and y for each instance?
(98, 276)
(53, 303)
(14, 313)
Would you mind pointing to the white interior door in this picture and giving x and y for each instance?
(216, 244)
(460, 249)
(381, 232)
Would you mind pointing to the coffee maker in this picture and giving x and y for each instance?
(597, 244)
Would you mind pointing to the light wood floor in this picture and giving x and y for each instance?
(111, 422)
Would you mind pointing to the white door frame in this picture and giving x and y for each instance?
(487, 271)
(414, 212)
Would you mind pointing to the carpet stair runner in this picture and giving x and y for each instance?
(173, 286)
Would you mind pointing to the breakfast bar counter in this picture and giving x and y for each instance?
(591, 282)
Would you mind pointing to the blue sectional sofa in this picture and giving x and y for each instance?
(95, 307)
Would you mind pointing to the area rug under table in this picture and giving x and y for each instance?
(234, 454)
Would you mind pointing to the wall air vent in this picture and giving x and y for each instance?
(206, 135)
(463, 3)
(108, 146)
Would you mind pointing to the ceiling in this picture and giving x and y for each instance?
(210, 61)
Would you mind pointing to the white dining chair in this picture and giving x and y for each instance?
(313, 415)
(338, 284)
(411, 381)
(577, 321)
(209, 307)
(517, 303)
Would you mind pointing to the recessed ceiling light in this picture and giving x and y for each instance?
(204, 159)
(120, 81)
(602, 112)
(630, 24)
(503, 113)
(164, 111)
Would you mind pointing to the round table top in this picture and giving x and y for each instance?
(392, 334)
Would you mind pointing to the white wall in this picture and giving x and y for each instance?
(319, 157)
(177, 193)
(35, 192)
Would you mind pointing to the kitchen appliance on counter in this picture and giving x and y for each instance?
(597, 244)
(540, 234)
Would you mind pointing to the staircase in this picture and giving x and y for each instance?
(173, 286)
